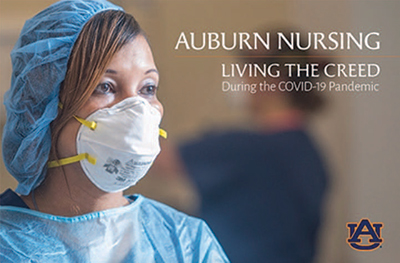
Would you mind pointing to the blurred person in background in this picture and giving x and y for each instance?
(261, 188)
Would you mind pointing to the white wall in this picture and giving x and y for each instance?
(375, 131)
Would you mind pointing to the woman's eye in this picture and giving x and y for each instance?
(149, 90)
(104, 88)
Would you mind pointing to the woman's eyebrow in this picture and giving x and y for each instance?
(111, 71)
(152, 70)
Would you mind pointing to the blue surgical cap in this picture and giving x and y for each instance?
(39, 62)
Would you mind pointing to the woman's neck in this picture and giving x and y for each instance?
(68, 192)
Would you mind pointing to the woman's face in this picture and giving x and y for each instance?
(131, 72)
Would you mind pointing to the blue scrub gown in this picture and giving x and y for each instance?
(144, 231)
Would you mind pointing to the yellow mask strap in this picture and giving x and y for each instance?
(90, 124)
(163, 133)
(72, 159)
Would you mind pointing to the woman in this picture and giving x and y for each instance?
(86, 68)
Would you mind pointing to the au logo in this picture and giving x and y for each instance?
(365, 228)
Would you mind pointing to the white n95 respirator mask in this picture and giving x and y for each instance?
(116, 146)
